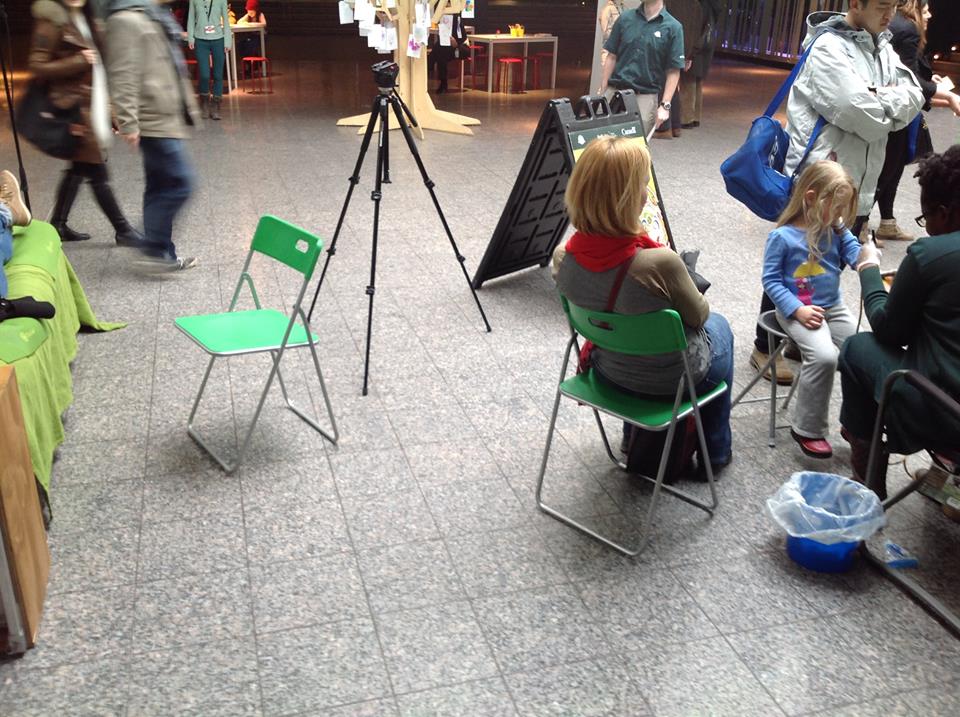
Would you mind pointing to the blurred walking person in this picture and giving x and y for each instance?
(65, 57)
(155, 108)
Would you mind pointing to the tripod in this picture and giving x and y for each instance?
(384, 101)
(9, 95)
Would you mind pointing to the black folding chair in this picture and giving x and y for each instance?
(946, 457)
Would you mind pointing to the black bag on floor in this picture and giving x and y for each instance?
(645, 448)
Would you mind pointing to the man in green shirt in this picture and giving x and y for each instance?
(645, 54)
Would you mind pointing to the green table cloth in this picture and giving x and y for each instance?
(41, 350)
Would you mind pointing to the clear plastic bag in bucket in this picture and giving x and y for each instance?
(826, 508)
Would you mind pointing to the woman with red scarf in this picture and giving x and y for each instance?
(610, 264)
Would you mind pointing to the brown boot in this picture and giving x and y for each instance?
(860, 458)
(889, 230)
(215, 108)
(203, 106)
(10, 195)
(677, 131)
(663, 134)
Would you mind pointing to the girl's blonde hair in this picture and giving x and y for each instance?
(833, 190)
(607, 189)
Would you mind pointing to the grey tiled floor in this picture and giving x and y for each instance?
(408, 572)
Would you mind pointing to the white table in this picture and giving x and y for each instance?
(232, 65)
(493, 41)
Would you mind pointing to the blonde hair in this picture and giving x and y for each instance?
(913, 11)
(608, 187)
(833, 190)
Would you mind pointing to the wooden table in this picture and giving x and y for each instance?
(493, 41)
(232, 65)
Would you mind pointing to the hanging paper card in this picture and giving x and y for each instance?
(364, 11)
(446, 30)
(469, 10)
(346, 13)
(414, 48)
(421, 13)
(377, 37)
(392, 40)
(420, 33)
(391, 4)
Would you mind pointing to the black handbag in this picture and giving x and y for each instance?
(46, 126)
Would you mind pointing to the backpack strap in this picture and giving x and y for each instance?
(788, 83)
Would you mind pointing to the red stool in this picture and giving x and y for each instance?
(510, 73)
(478, 60)
(259, 69)
(537, 59)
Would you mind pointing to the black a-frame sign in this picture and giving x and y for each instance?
(535, 220)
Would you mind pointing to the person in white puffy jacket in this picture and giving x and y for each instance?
(855, 80)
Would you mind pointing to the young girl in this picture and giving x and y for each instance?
(801, 274)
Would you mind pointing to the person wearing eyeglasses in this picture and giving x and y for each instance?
(915, 326)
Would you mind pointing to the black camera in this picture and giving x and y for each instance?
(385, 74)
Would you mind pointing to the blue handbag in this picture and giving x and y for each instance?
(754, 174)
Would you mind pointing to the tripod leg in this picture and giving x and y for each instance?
(354, 180)
(399, 109)
(376, 196)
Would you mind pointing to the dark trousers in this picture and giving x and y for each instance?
(169, 182)
(204, 50)
(96, 174)
(893, 165)
(912, 424)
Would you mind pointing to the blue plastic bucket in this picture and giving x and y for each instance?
(820, 557)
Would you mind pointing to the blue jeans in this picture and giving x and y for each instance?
(169, 182)
(716, 414)
(202, 50)
(6, 245)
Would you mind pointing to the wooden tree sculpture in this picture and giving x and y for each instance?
(412, 80)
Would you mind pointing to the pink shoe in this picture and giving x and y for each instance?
(813, 447)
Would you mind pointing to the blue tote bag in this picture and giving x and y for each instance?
(754, 174)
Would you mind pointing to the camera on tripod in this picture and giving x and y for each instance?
(385, 74)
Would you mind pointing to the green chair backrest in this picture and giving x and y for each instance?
(295, 247)
(657, 332)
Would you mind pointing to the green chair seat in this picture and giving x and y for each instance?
(653, 414)
(651, 334)
(239, 332)
(234, 333)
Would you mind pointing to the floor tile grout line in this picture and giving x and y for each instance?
(453, 564)
(363, 583)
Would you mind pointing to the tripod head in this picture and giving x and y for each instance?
(385, 75)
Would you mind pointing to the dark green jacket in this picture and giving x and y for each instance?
(922, 313)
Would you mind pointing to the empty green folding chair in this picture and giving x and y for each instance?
(659, 332)
(236, 333)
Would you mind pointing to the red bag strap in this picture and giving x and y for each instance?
(617, 284)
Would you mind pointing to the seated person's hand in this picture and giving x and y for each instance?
(810, 316)
(869, 256)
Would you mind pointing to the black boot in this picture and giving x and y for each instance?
(66, 195)
(215, 108)
(126, 235)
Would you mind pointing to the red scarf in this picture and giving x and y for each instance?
(600, 253)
